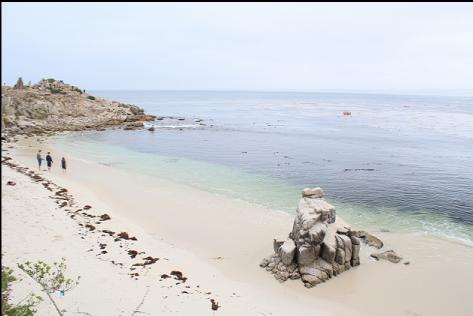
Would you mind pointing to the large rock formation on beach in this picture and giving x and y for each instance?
(318, 247)
(52, 105)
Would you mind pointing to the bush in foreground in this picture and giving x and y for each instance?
(50, 278)
(26, 307)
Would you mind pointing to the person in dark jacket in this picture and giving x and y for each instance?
(49, 161)
(63, 164)
(39, 159)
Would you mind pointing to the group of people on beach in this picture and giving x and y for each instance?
(49, 161)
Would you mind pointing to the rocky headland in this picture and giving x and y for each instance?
(54, 106)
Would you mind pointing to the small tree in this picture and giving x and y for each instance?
(50, 278)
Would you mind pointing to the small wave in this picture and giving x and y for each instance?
(178, 126)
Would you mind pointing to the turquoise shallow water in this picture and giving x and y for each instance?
(275, 194)
(269, 192)
(402, 163)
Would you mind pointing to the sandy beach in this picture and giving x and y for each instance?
(266, 159)
(216, 242)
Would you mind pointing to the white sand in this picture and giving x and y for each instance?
(217, 243)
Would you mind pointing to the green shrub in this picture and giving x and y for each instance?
(51, 278)
(51, 80)
(55, 90)
(91, 97)
(26, 309)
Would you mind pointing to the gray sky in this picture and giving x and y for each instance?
(240, 46)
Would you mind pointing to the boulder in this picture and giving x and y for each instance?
(306, 255)
(340, 256)
(315, 193)
(347, 247)
(264, 263)
(322, 208)
(135, 110)
(318, 246)
(316, 273)
(328, 253)
(140, 118)
(317, 233)
(287, 252)
(311, 280)
(389, 255)
(355, 240)
(276, 244)
(133, 125)
(355, 259)
(368, 239)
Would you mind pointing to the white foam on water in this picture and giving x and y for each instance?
(174, 126)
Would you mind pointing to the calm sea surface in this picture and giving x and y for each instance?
(403, 163)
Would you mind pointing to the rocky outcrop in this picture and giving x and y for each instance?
(135, 110)
(140, 118)
(133, 125)
(369, 239)
(52, 105)
(318, 247)
(389, 255)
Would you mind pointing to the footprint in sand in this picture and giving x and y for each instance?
(58, 238)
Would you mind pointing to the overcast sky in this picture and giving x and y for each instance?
(226, 46)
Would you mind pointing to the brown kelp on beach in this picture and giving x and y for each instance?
(89, 222)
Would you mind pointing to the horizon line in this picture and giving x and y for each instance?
(460, 92)
(467, 92)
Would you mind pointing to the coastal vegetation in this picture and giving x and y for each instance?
(55, 90)
(51, 279)
(26, 307)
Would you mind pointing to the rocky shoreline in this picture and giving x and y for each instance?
(52, 106)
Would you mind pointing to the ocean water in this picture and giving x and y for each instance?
(398, 162)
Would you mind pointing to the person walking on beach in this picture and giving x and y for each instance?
(63, 164)
(39, 158)
(49, 160)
